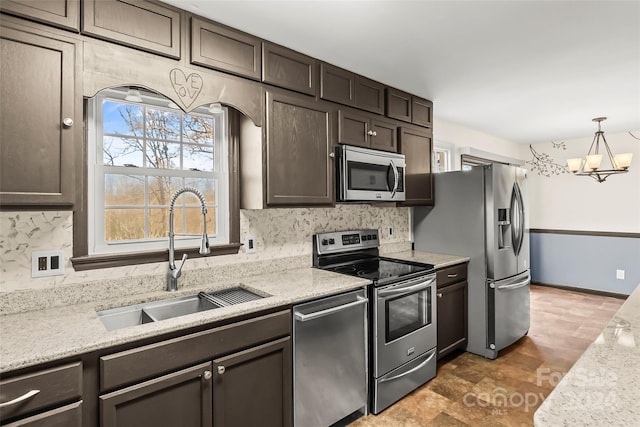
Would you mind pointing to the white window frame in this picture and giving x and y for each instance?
(97, 170)
(447, 149)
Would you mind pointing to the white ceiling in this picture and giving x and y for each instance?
(526, 71)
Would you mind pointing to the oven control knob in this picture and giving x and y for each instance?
(324, 242)
(332, 242)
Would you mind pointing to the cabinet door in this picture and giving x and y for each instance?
(353, 128)
(225, 49)
(452, 317)
(398, 105)
(421, 112)
(66, 416)
(289, 69)
(369, 95)
(299, 143)
(142, 24)
(37, 111)
(254, 387)
(385, 135)
(61, 13)
(181, 398)
(337, 85)
(416, 145)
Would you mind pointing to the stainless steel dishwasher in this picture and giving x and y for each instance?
(330, 359)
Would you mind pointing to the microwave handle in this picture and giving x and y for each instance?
(396, 177)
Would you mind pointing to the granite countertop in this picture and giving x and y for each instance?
(41, 336)
(601, 389)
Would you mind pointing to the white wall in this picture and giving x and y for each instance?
(568, 202)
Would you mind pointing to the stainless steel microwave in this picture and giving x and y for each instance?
(365, 175)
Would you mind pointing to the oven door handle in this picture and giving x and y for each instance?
(396, 178)
(406, 289)
(410, 371)
(306, 317)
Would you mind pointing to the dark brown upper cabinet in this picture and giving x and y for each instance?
(417, 146)
(289, 69)
(421, 112)
(40, 120)
(366, 130)
(344, 87)
(398, 105)
(141, 24)
(299, 149)
(60, 13)
(222, 48)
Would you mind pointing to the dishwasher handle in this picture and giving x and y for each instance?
(305, 317)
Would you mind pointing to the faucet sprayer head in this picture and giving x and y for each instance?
(204, 244)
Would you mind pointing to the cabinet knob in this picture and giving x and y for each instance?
(375, 133)
(370, 133)
(439, 294)
(221, 369)
(68, 122)
(207, 375)
(332, 155)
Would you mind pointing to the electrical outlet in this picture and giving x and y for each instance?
(47, 263)
(250, 246)
(620, 274)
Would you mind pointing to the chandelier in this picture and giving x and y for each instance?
(590, 166)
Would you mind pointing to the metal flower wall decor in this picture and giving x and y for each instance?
(543, 164)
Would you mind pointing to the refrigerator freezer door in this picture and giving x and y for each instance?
(509, 310)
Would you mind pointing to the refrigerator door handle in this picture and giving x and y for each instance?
(517, 219)
(514, 285)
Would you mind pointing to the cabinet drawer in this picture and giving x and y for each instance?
(56, 385)
(225, 49)
(66, 416)
(148, 361)
(453, 274)
(137, 23)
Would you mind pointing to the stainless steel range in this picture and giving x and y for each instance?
(402, 311)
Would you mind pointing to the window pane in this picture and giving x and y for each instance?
(159, 222)
(122, 119)
(196, 157)
(194, 221)
(123, 190)
(161, 188)
(122, 151)
(206, 186)
(123, 224)
(163, 155)
(198, 130)
(163, 124)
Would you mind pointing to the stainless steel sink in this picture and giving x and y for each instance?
(138, 314)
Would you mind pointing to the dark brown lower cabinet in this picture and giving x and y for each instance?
(452, 307)
(253, 387)
(181, 398)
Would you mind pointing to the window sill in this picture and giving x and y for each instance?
(93, 262)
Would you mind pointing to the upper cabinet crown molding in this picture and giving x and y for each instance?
(289, 69)
(60, 13)
(140, 24)
(226, 49)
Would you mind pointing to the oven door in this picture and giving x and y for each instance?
(404, 318)
(366, 175)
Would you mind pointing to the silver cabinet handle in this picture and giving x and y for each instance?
(221, 369)
(22, 398)
(439, 294)
(305, 317)
(451, 276)
(68, 122)
(332, 155)
(207, 375)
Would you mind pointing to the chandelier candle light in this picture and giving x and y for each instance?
(590, 166)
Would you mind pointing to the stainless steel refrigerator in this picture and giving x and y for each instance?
(482, 213)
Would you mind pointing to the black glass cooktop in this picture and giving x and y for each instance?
(381, 270)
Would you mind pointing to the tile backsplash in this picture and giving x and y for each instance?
(279, 233)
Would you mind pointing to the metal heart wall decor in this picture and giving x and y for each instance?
(187, 87)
